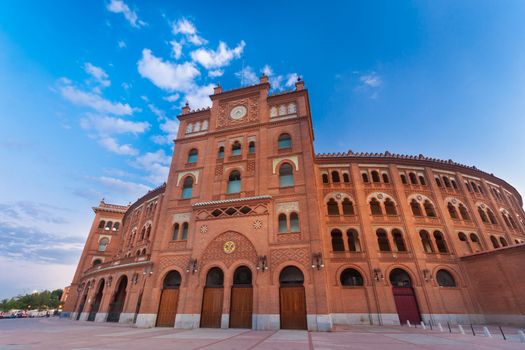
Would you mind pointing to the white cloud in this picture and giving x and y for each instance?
(156, 164)
(372, 80)
(221, 57)
(105, 125)
(126, 86)
(121, 44)
(247, 76)
(119, 6)
(112, 145)
(215, 73)
(170, 128)
(187, 28)
(167, 75)
(91, 100)
(159, 113)
(172, 98)
(98, 75)
(292, 79)
(199, 96)
(120, 186)
(267, 70)
(176, 48)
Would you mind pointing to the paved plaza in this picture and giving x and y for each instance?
(57, 333)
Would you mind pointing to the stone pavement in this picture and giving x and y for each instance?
(54, 333)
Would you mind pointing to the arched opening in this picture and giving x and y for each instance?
(416, 208)
(390, 207)
(282, 223)
(375, 207)
(503, 242)
(495, 242)
(426, 242)
(446, 181)
(95, 305)
(399, 241)
(445, 279)
(234, 182)
(169, 299)
(403, 179)
(187, 187)
(292, 298)
(346, 178)
(103, 244)
(482, 215)
(464, 213)
(348, 207)
(413, 178)
(286, 175)
(335, 177)
(354, 245)
(441, 244)
(220, 153)
(438, 182)
(251, 147)
(241, 306)
(284, 141)
(375, 176)
(382, 240)
(422, 180)
(175, 234)
(333, 207)
(117, 304)
(385, 178)
(492, 217)
(236, 148)
(404, 297)
(351, 278)
(429, 209)
(337, 241)
(463, 238)
(452, 211)
(82, 304)
(325, 178)
(101, 224)
(477, 244)
(294, 222)
(211, 313)
(184, 235)
(364, 176)
(193, 155)
(97, 262)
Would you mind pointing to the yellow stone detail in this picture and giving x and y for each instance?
(229, 247)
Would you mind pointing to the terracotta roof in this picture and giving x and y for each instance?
(224, 201)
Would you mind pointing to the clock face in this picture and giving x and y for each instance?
(238, 112)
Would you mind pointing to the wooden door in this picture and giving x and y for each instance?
(406, 305)
(241, 307)
(212, 307)
(293, 307)
(168, 307)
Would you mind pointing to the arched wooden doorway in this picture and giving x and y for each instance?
(96, 302)
(169, 299)
(117, 304)
(404, 297)
(212, 299)
(241, 306)
(292, 298)
(82, 303)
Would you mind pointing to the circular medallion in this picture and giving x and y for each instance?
(419, 198)
(257, 224)
(204, 228)
(380, 196)
(338, 196)
(238, 112)
(229, 247)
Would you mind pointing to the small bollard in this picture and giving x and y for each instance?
(487, 332)
(440, 327)
(408, 324)
(423, 325)
(522, 336)
(461, 330)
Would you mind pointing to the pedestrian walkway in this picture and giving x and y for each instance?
(57, 333)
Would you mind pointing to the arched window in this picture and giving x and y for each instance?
(403, 179)
(184, 234)
(193, 155)
(445, 279)
(375, 176)
(375, 207)
(103, 244)
(426, 242)
(474, 186)
(416, 208)
(468, 186)
(390, 207)
(492, 217)
(452, 211)
(494, 241)
(142, 233)
(333, 207)
(97, 262)
(382, 240)
(294, 222)
(483, 215)
(346, 178)
(413, 178)
(351, 277)
(282, 223)
(109, 225)
(400, 278)
(503, 242)
(116, 226)
(101, 224)
(172, 280)
(440, 242)
(325, 178)
(429, 209)
(236, 148)
(365, 177)
(348, 207)
(438, 182)
(475, 240)
(175, 234)
(234, 182)
(242, 276)
(187, 187)
(480, 189)
(464, 213)
(446, 181)
(463, 238)
(220, 154)
(291, 276)
(215, 278)
(385, 178)
(454, 184)
(144, 251)
(399, 241)
(422, 180)
(354, 245)
(251, 147)
(337, 241)
(335, 177)
(286, 175)
(284, 141)
(512, 222)
(506, 219)
(148, 232)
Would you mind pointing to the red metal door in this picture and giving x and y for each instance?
(406, 305)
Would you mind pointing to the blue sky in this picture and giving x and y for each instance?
(89, 92)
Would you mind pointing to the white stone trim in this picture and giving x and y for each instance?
(101, 317)
(187, 321)
(146, 320)
(182, 174)
(126, 317)
(293, 159)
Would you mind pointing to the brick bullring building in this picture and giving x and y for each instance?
(254, 230)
